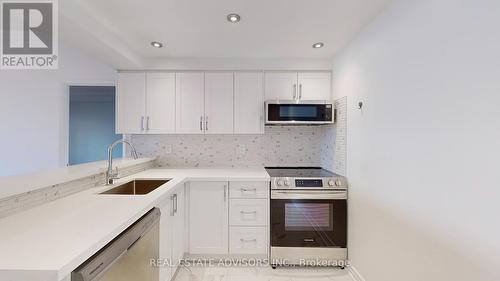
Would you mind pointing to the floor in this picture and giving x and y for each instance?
(204, 273)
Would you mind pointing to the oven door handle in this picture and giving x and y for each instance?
(310, 195)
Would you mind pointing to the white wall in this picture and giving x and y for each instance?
(424, 153)
(34, 109)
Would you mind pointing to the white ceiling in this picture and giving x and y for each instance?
(269, 29)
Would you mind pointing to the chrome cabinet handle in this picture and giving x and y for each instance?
(201, 123)
(225, 193)
(294, 91)
(147, 123)
(248, 241)
(206, 123)
(300, 91)
(308, 240)
(248, 190)
(142, 123)
(248, 213)
(175, 203)
(172, 211)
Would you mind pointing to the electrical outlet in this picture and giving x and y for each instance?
(168, 149)
(242, 149)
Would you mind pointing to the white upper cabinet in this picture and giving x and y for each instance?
(131, 103)
(314, 85)
(281, 85)
(160, 103)
(209, 102)
(190, 102)
(248, 103)
(219, 103)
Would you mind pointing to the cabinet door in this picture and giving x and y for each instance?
(160, 103)
(130, 103)
(315, 85)
(208, 218)
(219, 103)
(190, 102)
(281, 85)
(248, 103)
(166, 222)
(178, 228)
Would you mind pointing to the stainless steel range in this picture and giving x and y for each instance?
(308, 217)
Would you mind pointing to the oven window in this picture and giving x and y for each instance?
(308, 217)
(308, 223)
(298, 111)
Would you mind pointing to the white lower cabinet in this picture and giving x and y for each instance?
(248, 217)
(228, 218)
(208, 218)
(178, 228)
(248, 240)
(172, 242)
(166, 240)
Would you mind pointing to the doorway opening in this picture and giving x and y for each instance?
(91, 124)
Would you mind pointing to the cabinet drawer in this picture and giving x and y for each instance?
(248, 212)
(242, 189)
(248, 240)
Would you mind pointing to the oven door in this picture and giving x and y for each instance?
(303, 112)
(309, 219)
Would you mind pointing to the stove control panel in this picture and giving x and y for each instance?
(308, 183)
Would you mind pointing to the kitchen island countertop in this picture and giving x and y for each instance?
(49, 241)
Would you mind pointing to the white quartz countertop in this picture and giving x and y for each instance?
(12, 185)
(49, 241)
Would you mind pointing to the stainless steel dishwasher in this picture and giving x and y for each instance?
(128, 256)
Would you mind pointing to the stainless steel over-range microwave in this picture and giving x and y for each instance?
(299, 112)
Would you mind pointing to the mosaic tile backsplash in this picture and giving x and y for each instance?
(340, 136)
(322, 146)
(291, 146)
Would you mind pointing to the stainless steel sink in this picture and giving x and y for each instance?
(136, 187)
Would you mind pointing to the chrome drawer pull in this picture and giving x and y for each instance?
(248, 241)
(248, 190)
(249, 213)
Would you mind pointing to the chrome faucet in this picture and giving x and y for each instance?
(110, 174)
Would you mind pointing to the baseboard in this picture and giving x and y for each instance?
(355, 274)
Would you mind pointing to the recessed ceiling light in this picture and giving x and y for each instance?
(318, 45)
(233, 18)
(157, 44)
